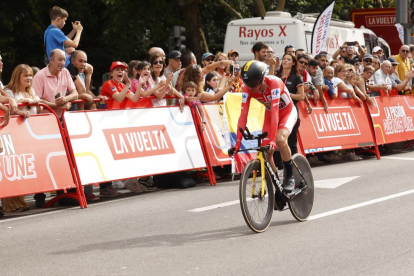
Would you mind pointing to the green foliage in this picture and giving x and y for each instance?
(125, 30)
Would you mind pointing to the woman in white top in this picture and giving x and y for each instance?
(339, 80)
(20, 89)
(157, 77)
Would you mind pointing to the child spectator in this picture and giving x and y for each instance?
(54, 38)
(115, 89)
(192, 98)
(211, 83)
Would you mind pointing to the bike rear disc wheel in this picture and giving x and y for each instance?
(257, 210)
(301, 205)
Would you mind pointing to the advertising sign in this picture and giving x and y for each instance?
(120, 144)
(34, 158)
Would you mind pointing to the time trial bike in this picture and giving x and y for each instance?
(257, 183)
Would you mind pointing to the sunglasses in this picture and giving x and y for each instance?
(368, 60)
(405, 51)
(157, 61)
(303, 62)
(237, 69)
(209, 59)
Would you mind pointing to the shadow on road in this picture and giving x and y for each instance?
(170, 240)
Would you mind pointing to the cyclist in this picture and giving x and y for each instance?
(280, 114)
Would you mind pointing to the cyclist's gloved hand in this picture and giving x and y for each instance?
(232, 151)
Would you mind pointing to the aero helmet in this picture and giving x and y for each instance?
(253, 72)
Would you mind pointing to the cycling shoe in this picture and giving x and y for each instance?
(288, 184)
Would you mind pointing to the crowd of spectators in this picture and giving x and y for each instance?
(350, 72)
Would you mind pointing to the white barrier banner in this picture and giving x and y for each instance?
(119, 144)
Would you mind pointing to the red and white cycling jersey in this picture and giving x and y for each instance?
(280, 110)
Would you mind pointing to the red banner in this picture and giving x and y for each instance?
(345, 126)
(393, 119)
(34, 158)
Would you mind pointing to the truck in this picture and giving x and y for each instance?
(279, 29)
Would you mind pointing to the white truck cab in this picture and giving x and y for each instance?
(279, 29)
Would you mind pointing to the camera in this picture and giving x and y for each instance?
(311, 86)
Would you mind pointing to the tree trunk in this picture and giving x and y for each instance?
(280, 5)
(258, 4)
(230, 9)
(380, 3)
(194, 32)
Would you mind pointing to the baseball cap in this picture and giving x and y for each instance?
(376, 49)
(206, 55)
(367, 56)
(116, 64)
(174, 55)
(232, 51)
(392, 60)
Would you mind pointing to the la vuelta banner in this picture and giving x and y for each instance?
(119, 144)
(345, 126)
(34, 158)
(320, 29)
(215, 135)
(393, 119)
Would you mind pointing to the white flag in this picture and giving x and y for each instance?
(320, 29)
(400, 30)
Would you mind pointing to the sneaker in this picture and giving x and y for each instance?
(148, 184)
(108, 192)
(332, 157)
(134, 186)
(313, 160)
(118, 184)
(92, 198)
(353, 156)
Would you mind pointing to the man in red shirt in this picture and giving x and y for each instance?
(115, 89)
(280, 114)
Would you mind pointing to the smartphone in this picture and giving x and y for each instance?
(231, 70)
(57, 95)
(350, 43)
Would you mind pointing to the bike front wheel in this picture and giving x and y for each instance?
(301, 205)
(257, 210)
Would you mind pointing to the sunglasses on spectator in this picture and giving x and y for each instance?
(237, 69)
(405, 51)
(368, 60)
(209, 59)
(157, 61)
(303, 62)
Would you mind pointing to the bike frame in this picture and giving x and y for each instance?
(261, 158)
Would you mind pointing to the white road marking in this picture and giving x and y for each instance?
(397, 158)
(359, 205)
(216, 206)
(334, 183)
